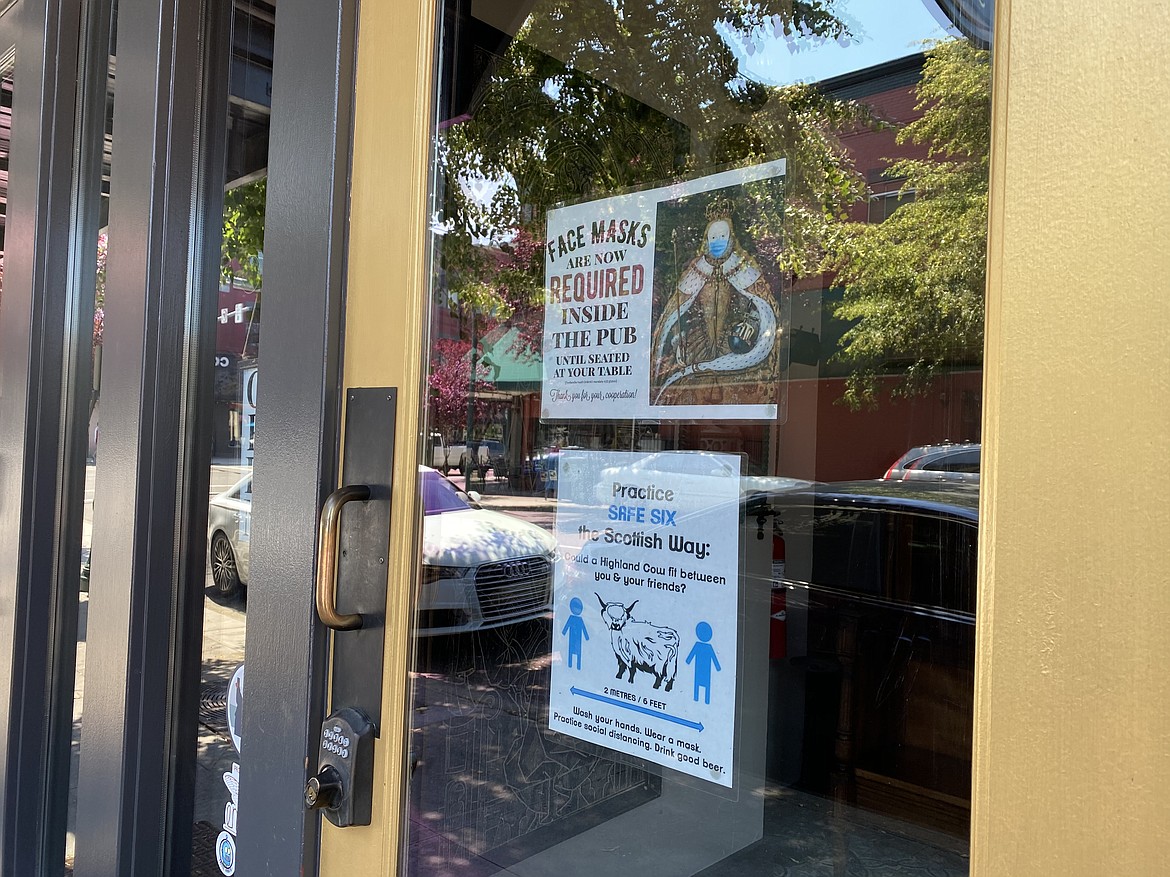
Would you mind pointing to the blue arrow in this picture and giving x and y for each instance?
(698, 726)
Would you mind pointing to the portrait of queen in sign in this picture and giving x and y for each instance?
(715, 327)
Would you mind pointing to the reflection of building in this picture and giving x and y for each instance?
(237, 339)
(821, 436)
(819, 439)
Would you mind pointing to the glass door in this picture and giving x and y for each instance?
(693, 308)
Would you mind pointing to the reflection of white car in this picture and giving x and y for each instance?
(480, 568)
(229, 525)
(700, 463)
(769, 484)
(684, 472)
(697, 473)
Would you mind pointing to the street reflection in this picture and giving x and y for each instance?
(224, 629)
(490, 784)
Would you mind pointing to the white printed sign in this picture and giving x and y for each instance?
(248, 378)
(645, 632)
(235, 699)
(663, 303)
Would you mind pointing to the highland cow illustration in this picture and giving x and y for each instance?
(640, 645)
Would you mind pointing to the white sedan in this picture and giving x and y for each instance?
(480, 569)
(684, 472)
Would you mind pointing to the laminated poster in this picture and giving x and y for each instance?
(645, 606)
(663, 304)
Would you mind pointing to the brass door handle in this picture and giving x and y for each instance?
(327, 557)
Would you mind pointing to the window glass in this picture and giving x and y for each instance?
(965, 461)
(882, 206)
(440, 495)
(707, 292)
(235, 407)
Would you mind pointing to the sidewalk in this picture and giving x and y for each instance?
(501, 496)
(504, 502)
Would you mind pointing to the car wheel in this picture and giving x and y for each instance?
(224, 572)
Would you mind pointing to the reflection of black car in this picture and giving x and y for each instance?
(873, 641)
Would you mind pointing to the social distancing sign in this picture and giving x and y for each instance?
(646, 606)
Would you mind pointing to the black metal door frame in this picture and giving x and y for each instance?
(39, 542)
(146, 585)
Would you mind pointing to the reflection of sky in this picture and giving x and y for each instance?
(881, 30)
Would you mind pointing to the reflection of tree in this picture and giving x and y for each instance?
(243, 231)
(241, 250)
(99, 297)
(99, 322)
(598, 97)
(915, 282)
(449, 380)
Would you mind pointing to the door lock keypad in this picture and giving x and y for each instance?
(343, 785)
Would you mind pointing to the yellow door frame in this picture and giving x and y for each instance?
(1072, 702)
(386, 308)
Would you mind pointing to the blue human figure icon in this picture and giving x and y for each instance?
(575, 629)
(703, 654)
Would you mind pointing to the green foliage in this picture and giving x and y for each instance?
(915, 283)
(243, 232)
(597, 97)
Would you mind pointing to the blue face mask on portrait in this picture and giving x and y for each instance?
(717, 248)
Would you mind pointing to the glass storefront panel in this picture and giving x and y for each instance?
(701, 461)
(232, 430)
